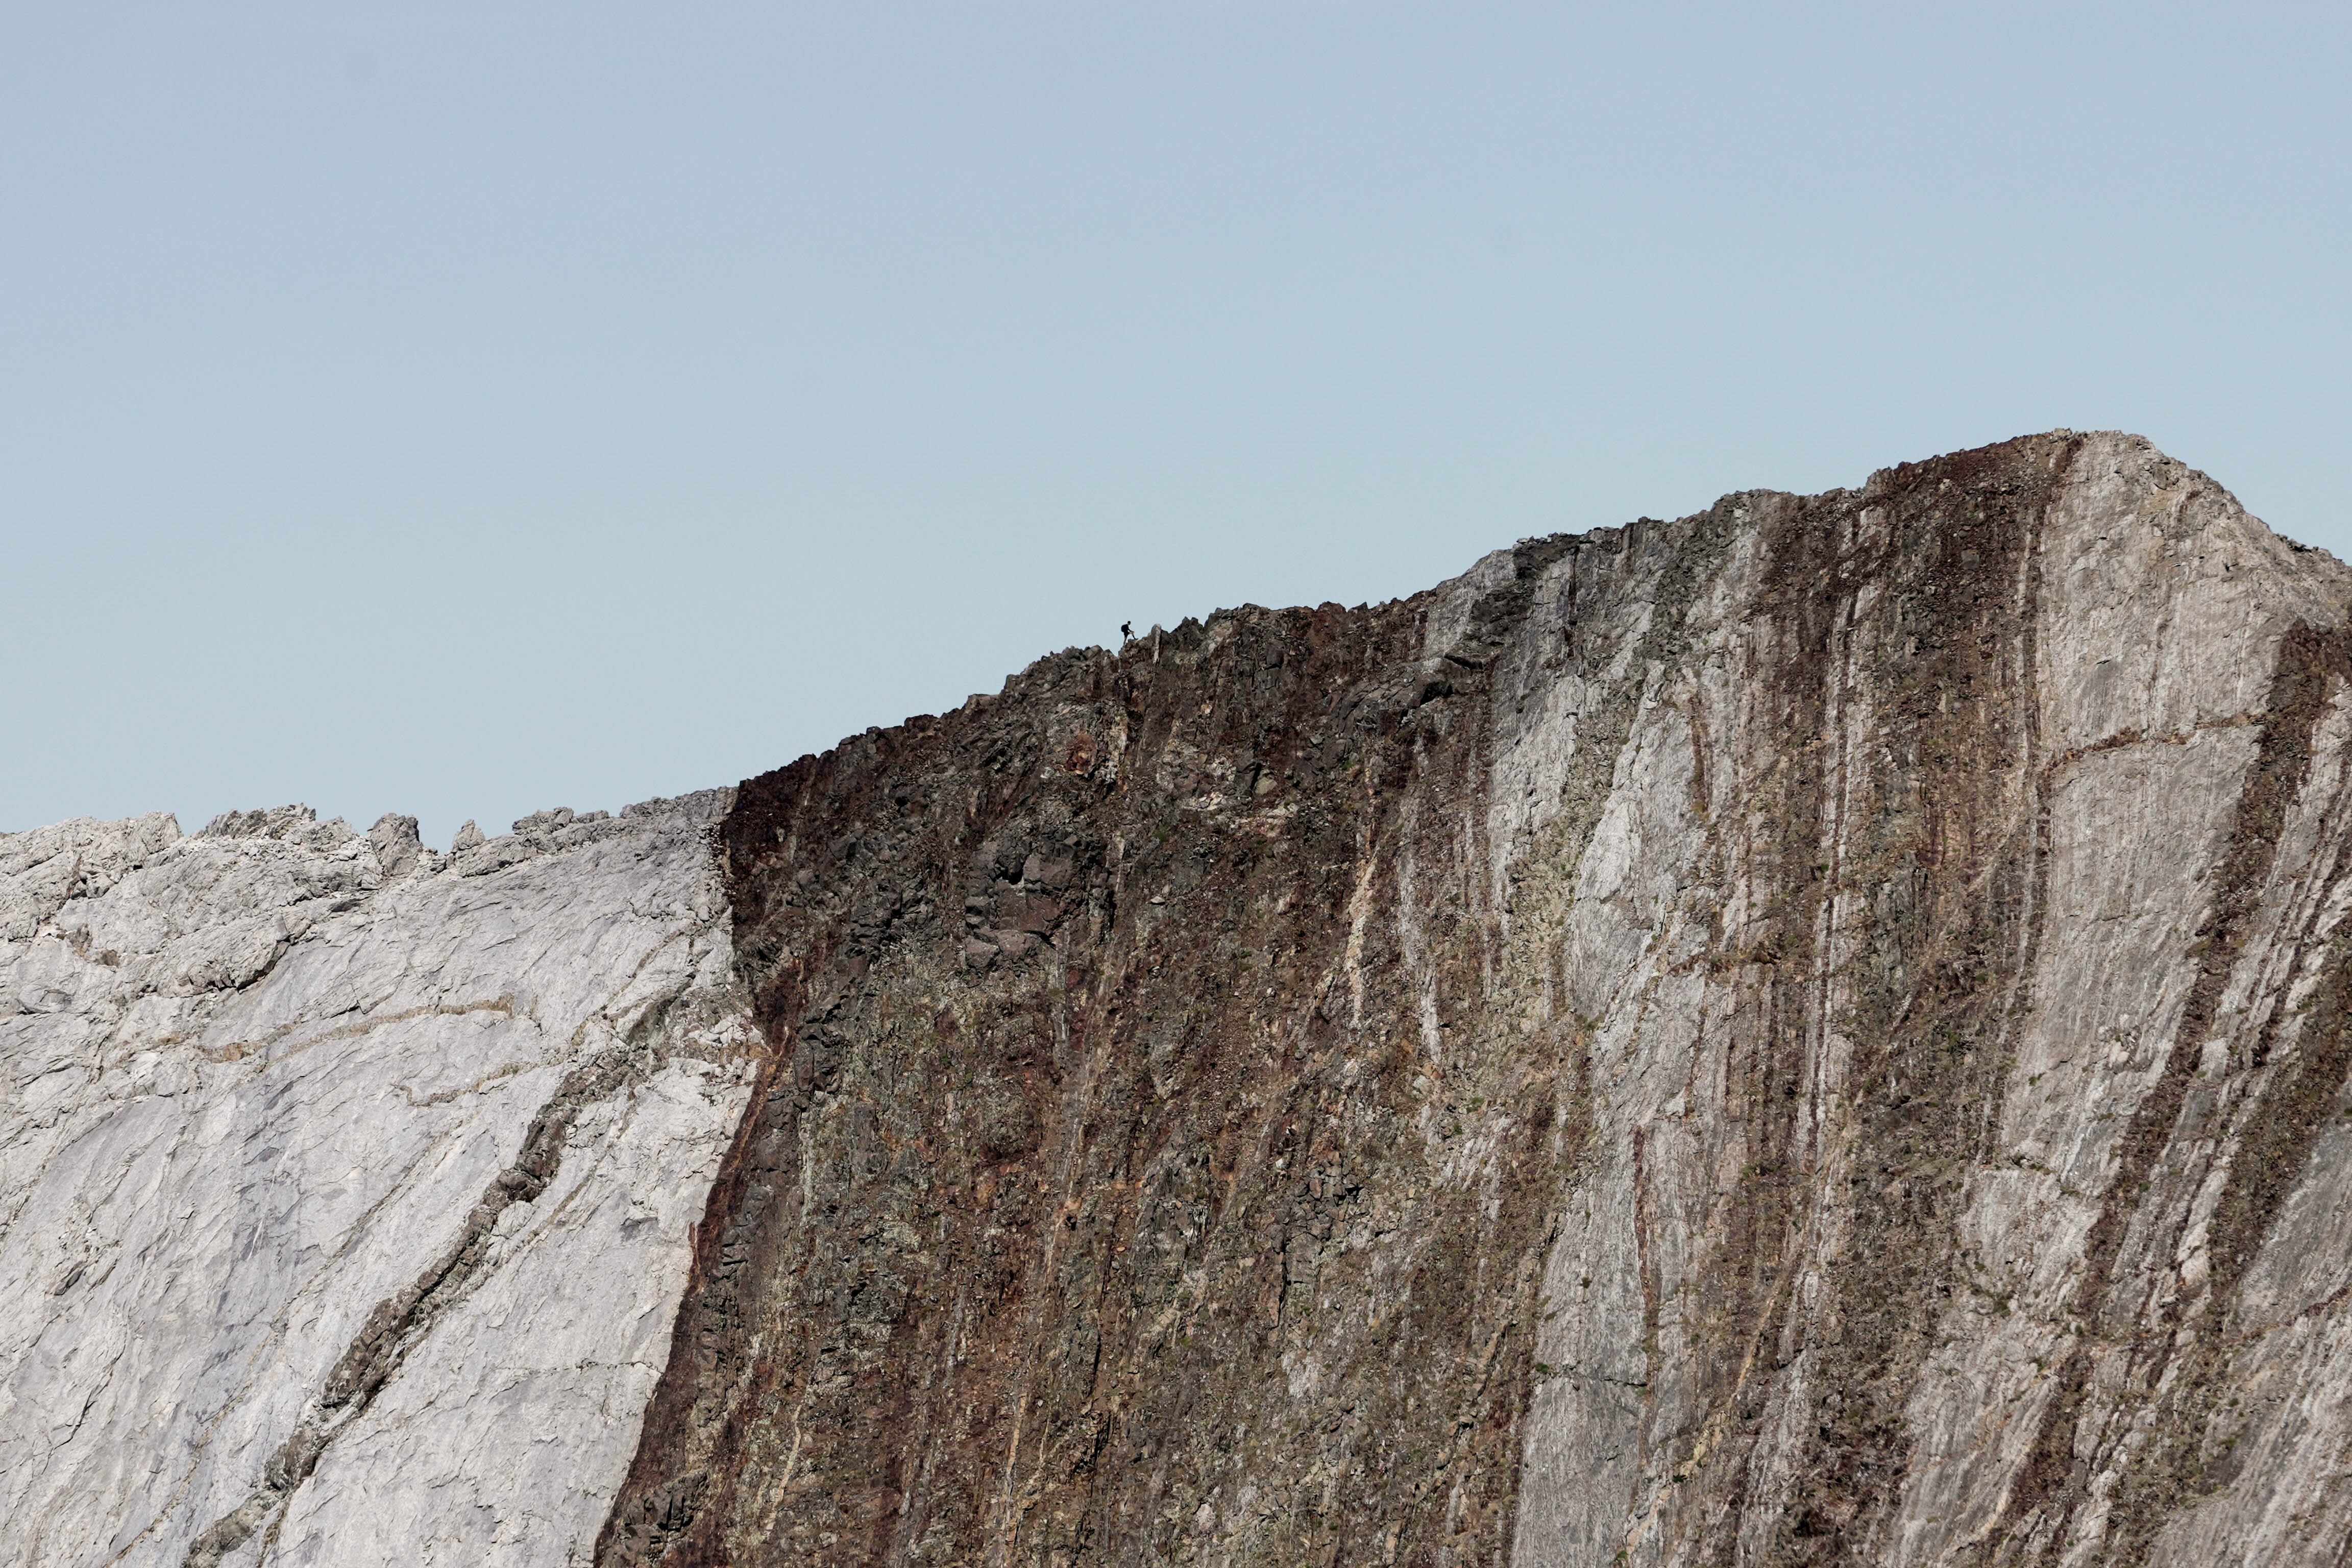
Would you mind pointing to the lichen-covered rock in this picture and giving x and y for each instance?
(344, 1197)
(1816, 1032)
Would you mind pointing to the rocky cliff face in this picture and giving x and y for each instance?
(1810, 1032)
(1816, 1032)
(344, 1190)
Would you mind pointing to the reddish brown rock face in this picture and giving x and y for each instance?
(1567, 1068)
(1085, 1220)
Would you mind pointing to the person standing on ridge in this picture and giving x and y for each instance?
(1126, 631)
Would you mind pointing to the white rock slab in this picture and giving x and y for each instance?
(272, 1085)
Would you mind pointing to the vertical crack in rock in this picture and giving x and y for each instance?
(401, 1321)
(1838, 984)
(1926, 891)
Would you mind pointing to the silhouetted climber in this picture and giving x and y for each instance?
(1126, 631)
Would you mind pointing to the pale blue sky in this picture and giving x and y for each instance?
(468, 409)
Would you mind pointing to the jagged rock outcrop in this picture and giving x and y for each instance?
(1816, 1032)
(1810, 1033)
(345, 1189)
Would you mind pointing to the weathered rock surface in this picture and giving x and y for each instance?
(1817, 1032)
(344, 1190)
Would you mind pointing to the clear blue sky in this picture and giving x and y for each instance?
(468, 409)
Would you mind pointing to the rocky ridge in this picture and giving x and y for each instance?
(1808, 1033)
(1814, 1032)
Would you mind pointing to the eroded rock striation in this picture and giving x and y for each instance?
(1808, 1033)
(1816, 1032)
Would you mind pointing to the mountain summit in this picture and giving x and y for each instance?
(1815, 1032)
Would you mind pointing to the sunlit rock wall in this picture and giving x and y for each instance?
(1817, 1032)
(345, 1189)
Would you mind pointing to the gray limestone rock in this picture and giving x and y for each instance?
(344, 1203)
(398, 848)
